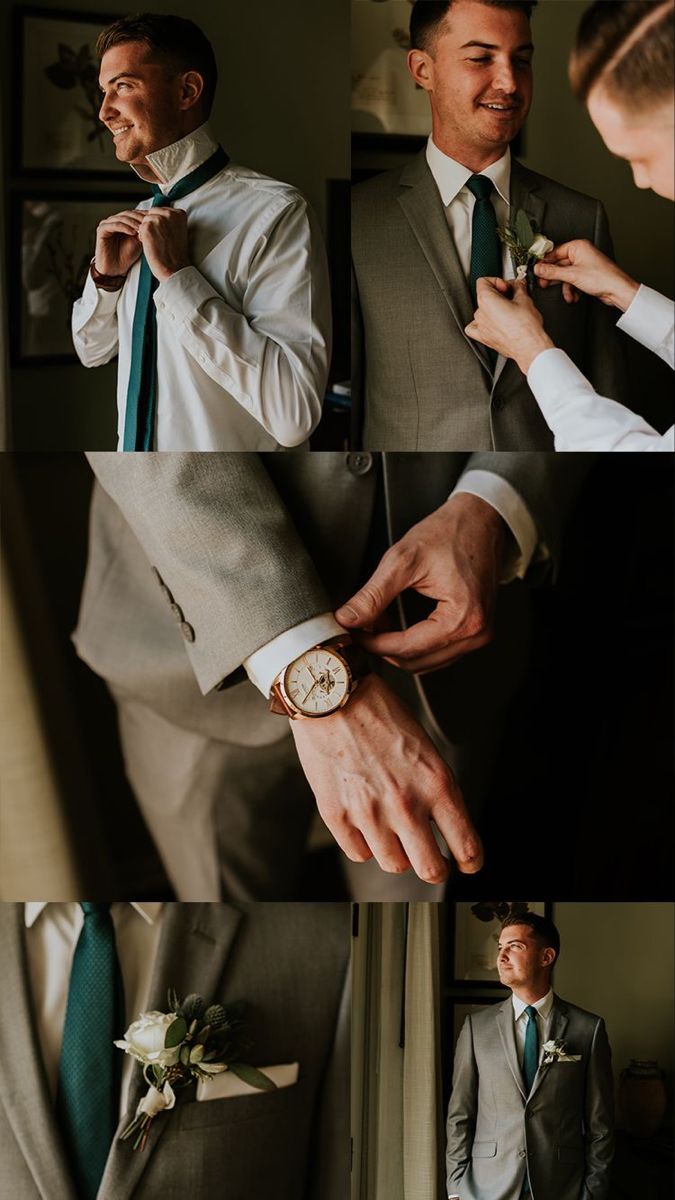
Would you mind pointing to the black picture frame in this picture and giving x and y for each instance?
(457, 946)
(41, 291)
(28, 160)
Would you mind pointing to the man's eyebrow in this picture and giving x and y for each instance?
(512, 942)
(490, 46)
(122, 75)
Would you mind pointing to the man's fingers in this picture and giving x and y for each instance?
(128, 228)
(472, 331)
(570, 293)
(433, 637)
(556, 272)
(393, 574)
(421, 847)
(454, 824)
(387, 849)
(350, 840)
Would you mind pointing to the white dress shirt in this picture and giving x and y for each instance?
(243, 333)
(579, 418)
(263, 666)
(52, 930)
(520, 1021)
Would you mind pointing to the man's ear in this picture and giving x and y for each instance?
(421, 67)
(548, 956)
(192, 88)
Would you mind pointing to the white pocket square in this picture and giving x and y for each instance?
(227, 1084)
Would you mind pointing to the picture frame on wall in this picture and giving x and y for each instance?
(474, 933)
(52, 235)
(56, 128)
(385, 101)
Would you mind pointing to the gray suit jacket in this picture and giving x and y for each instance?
(418, 382)
(246, 546)
(289, 962)
(561, 1134)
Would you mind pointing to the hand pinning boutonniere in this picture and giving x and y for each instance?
(193, 1041)
(526, 244)
(556, 1051)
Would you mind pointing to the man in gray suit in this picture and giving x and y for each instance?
(204, 569)
(288, 963)
(531, 1110)
(423, 233)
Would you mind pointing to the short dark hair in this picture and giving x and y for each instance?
(180, 42)
(628, 47)
(427, 16)
(543, 928)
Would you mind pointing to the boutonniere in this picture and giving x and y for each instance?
(556, 1051)
(193, 1041)
(526, 244)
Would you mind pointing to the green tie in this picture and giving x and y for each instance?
(531, 1054)
(139, 417)
(486, 252)
(87, 1100)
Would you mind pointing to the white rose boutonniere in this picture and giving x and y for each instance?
(193, 1041)
(556, 1051)
(526, 244)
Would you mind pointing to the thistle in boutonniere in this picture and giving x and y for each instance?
(556, 1051)
(191, 1042)
(526, 244)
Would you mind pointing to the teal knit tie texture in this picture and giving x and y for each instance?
(531, 1054)
(87, 1099)
(486, 253)
(141, 405)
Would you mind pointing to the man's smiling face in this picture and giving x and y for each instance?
(141, 101)
(477, 72)
(522, 961)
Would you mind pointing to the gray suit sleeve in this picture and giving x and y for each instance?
(599, 1117)
(462, 1109)
(604, 351)
(215, 528)
(548, 484)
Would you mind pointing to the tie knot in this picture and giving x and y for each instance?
(531, 1012)
(481, 186)
(92, 908)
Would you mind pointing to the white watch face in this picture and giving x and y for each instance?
(317, 682)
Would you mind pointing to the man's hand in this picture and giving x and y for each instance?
(164, 238)
(581, 264)
(507, 320)
(379, 782)
(117, 244)
(454, 556)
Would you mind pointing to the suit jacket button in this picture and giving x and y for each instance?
(497, 403)
(187, 632)
(360, 464)
(521, 1153)
(178, 613)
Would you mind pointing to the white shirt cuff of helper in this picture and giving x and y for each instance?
(504, 498)
(263, 666)
(649, 319)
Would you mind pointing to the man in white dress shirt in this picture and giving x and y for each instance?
(528, 1120)
(230, 266)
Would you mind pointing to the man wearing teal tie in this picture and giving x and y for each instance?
(531, 1109)
(214, 294)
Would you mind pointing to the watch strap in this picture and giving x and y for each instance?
(108, 283)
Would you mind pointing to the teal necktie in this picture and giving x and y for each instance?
(87, 1100)
(139, 417)
(531, 1053)
(486, 252)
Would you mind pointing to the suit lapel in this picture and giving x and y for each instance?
(31, 1112)
(556, 1030)
(508, 1037)
(423, 209)
(194, 947)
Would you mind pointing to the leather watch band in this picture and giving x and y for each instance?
(108, 283)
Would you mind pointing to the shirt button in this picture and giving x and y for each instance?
(359, 464)
(187, 632)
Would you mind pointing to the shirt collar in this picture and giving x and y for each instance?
(174, 162)
(543, 1006)
(450, 176)
(148, 910)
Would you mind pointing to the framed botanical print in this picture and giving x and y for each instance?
(53, 237)
(57, 130)
(474, 938)
(385, 100)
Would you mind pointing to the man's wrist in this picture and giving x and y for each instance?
(532, 348)
(107, 283)
(624, 294)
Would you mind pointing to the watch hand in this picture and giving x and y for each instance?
(310, 690)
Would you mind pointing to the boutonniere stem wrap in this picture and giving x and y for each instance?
(556, 1051)
(194, 1041)
(527, 246)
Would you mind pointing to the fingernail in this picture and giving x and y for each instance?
(346, 615)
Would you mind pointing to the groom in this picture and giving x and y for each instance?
(523, 1123)
(423, 233)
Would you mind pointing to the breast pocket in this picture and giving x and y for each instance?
(276, 1106)
(484, 1150)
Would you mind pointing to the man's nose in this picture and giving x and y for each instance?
(504, 77)
(107, 110)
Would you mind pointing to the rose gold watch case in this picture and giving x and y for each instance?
(296, 713)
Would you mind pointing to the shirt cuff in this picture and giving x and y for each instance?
(179, 296)
(504, 498)
(97, 299)
(263, 666)
(649, 319)
(552, 378)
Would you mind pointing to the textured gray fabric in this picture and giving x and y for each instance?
(289, 962)
(562, 1134)
(251, 545)
(418, 382)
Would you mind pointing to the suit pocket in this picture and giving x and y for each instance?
(570, 1154)
(261, 1106)
(484, 1150)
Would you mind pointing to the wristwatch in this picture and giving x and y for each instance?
(109, 283)
(320, 681)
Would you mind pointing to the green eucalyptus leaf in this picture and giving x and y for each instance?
(252, 1076)
(175, 1034)
(524, 231)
